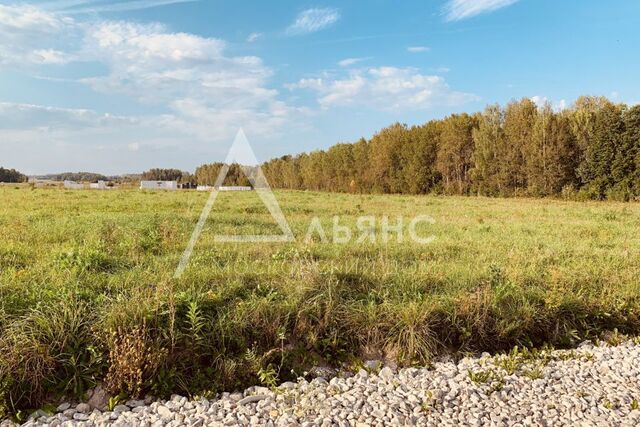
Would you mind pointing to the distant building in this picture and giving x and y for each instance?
(235, 188)
(100, 185)
(224, 188)
(72, 185)
(158, 185)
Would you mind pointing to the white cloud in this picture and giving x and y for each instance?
(561, 105)
(96, 6)
(347, 62)
(312, 20)
(49, 56)
(192, 76)
(18, 116)
(418, 49)
(542, 101)
(200, 94)
(456, 10)
(29, 35)
(253, 37)
(384, 88)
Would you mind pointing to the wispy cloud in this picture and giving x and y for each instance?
(456, 10)
(95, 6)
(312, 20)
(384, 88)
(254, 37)
(347, 62)
(196, 83)
(418, 49)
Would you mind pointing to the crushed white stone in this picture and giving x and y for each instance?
(591, 386)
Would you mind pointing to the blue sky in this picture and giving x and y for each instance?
(123, 86)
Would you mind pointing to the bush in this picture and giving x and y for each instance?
(591, 191)
(134, 358)
(620, 192)
(569, 192)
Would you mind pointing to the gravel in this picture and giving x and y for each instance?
(589, 386)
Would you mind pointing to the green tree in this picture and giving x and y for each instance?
(596, 170)
(11, 175)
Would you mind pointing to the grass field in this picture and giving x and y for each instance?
(87, 295)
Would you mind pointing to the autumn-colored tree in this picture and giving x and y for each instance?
(418, 159)
(519, 119)
(455, 152)
(551, 154)
(521, 149)
(385, 151)
(489, 155)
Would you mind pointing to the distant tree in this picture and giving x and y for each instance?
(11, 175)
(76, 176)
(162, 175)
(187, 179)
(208, 175)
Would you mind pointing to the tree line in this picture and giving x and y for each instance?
(11, 175)
(75, 176)
(591, 151)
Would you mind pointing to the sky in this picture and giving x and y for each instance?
(123, 86)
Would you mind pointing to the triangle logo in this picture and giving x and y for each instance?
(242, 154)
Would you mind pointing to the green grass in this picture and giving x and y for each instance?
(87, 295)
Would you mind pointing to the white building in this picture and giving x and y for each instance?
(224, 188)
(100, 185)
(158, 185)
(72, 185)
(234, 188)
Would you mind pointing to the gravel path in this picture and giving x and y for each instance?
(590, 386)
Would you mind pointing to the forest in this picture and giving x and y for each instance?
(589, 151)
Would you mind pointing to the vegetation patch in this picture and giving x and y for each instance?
(89, 297)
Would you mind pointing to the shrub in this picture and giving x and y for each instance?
(620, 192)
(134, 357)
